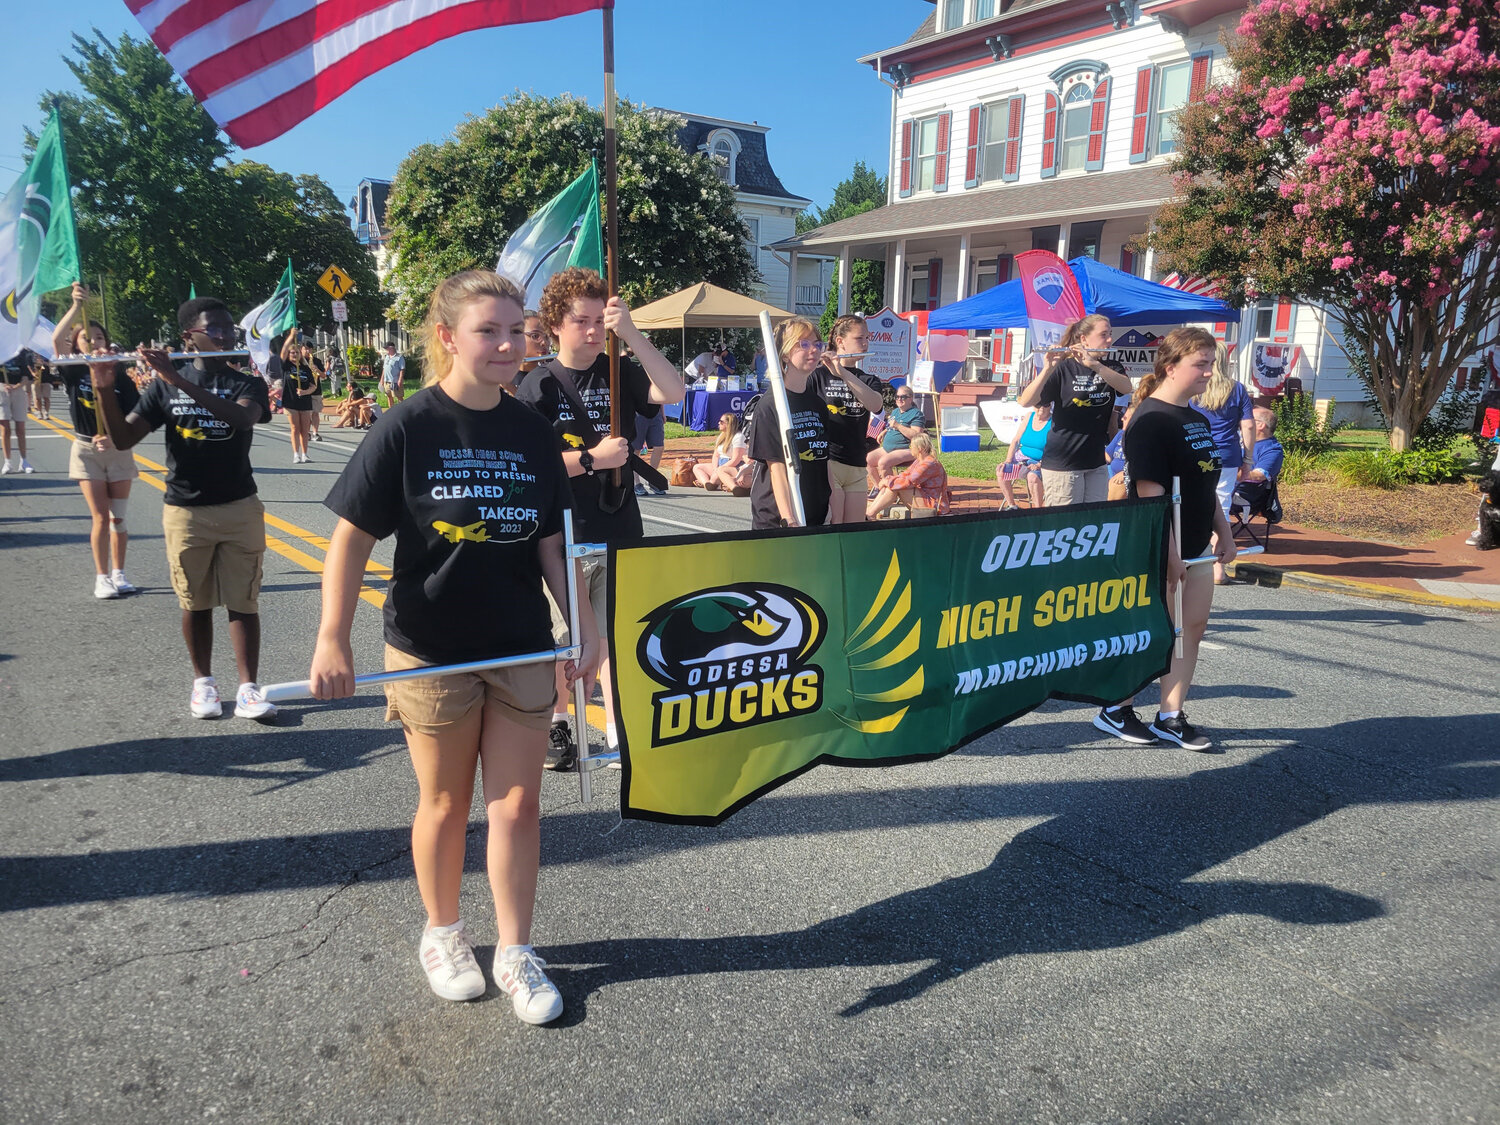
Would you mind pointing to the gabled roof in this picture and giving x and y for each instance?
(1045, 202)
(752, 167)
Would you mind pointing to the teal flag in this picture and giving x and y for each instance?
(276, 315)
(566, 232)
(38, 241)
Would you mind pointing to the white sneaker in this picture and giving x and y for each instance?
(5, 467)
(249, 703)
(448, 957)
(104, 588)
(121, 583)
(534, 997)
(205, 702)
(26, 466)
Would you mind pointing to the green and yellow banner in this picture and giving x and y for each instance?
(743, 661)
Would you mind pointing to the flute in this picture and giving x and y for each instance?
(130, 357)
(850, 355)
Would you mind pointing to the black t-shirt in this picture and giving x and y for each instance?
(208, 461)
(468, 494)
(1080, 417)
(80, 389)
(848, 421)
(1165, 441)
(809, 440)
(300, 384)
(539, 389)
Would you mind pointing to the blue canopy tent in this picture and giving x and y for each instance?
(1124, 298)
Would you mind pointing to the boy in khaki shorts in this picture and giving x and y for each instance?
(213, 522)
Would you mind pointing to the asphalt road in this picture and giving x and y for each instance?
(219, 920)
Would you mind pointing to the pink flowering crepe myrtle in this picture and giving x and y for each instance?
(1353, 159)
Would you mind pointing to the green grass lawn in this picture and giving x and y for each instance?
(1361, 439)
(676, 430)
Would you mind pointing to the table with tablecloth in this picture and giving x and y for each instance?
(701, 409)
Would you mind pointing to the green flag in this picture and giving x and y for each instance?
(276, 315)
(38, 242)
(566, 232)
(192, 291)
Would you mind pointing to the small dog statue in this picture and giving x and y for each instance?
(1489, 512)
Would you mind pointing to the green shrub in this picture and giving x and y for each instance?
(1298, 428)
(1368, 468)
(361, 355)
(1297, 464)
(1450, 422)
(1382, 468)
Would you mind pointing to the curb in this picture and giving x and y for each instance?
(1274, 577)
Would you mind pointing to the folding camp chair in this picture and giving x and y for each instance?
(1245, 507)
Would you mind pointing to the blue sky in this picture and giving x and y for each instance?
(785, 64)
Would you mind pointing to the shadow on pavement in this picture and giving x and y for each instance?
(1118, 862)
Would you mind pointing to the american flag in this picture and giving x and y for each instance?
(1198, 286)
(262, 66)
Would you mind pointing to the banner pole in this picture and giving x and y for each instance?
(612, 227)
(575, 640)
(1177, 536)
(783, 416)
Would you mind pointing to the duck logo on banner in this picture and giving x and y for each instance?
(732, 656)
(1049, 285)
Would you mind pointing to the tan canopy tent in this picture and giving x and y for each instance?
(704, 306)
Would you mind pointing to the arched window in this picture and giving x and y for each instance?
(1077, 109)
(722, 148)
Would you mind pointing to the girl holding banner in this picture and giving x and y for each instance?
(1167, 438)
(1082, 390)
(771, 504)
(471, 483)
(102, 471)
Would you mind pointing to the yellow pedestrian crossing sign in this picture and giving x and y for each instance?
(336, 282)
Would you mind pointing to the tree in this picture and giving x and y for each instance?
(453, 205)
(862, 190)
(161, 207)
(1351, 161)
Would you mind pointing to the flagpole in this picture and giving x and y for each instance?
(612, 225)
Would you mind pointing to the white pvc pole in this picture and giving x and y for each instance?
(783, 417)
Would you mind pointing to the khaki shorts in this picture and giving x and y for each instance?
(848, 478)
(596, 579)
(87, 463)
(13, 404)
(1084, 487)
(524, 693)
(215, 552)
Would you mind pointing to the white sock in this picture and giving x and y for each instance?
(561, 716)
(1167, 714)
(611, 738)
(248, 684)
(456, 928)
(101, 574)
(513, 952)
(206, 680)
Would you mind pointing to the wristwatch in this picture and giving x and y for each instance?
(586, 463)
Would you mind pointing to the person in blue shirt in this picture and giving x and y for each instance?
(1230, 413)
(1023, 459)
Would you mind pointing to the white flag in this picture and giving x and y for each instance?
(277, 315)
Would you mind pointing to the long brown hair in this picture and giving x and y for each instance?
(449, 299)
(1081, 328)
(1178, 345)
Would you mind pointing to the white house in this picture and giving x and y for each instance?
(769, 210)
(1046, 124)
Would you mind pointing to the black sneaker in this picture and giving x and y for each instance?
(1122, 723)
(562, 751)
(1177, 729)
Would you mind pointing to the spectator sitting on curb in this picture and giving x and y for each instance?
(922, 486)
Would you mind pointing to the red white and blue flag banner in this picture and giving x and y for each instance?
(1270, 364)
(262, 66)
(1198, 286)
(1052, 298)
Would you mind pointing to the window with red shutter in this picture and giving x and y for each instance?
(1098, 122)
(1050, 113)
(1015, 115)
(905, 174)
(1202, 64)
(971, 154)
(1140, 121)
(944, 135)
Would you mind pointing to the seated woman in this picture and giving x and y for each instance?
(706, 473)
(356, 410)
(1022, 460)
(922, 485)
